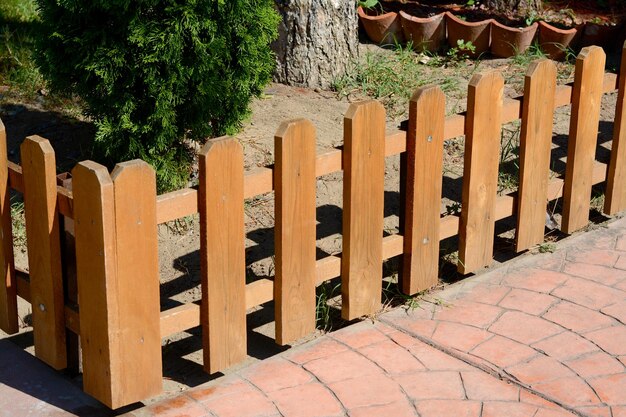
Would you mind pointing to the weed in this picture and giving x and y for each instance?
(461, 51)
(18, 223)
(546, 247)
(508, 172)
(326, 313)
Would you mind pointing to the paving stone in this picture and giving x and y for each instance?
(436, 360)
(276, 374)
(577, 318)
(530, 398)
(488, 294)
(596, 364)
(359, 335)
(249, 403)
(588, 294)
(308, 400)
(596, 411)
(484, 387)
(536, 280)
(621, 263)
(503, 352)
(470, 313)
(565, 345)
(392, 358)
(460, 336)
(508, 409)
(598, 273)
(316, 350)
(572, 391)
(527, 301)
(619, 411)
(523, 327)
(232, 386)
(594, 257)
(540, 369)
(344, 365)
(611, 389)
(396, 409)
(177, 407)
(366, 391)
(432, 385)
(610, 339)
(456, 408)
(617, 310)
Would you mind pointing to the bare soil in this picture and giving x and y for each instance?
(179, 241)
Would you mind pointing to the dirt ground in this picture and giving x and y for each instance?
(179, 240)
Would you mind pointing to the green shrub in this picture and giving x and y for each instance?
(158, 73)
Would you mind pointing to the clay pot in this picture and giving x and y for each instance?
(382, 29)
(554, 41)
(475, 32)
(601, 35)
(426, 34)
(507, 41)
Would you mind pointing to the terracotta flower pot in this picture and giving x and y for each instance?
(426, 34)
(382, 29)
(601, 35)
(507, 41)
(475, 32)
(554, 41)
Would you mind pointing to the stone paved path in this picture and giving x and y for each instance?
(545, 336)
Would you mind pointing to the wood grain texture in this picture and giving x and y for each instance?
(222, 253)
(137, 292)
(424, 158)
(295, 183)
(480, 172)
(44, 250)
(96, 268)
(8, 287)
(583, 137)
(615, 198)
(363, 204)
(535, 148)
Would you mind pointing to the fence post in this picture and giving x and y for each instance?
(422, 190)
(222, 254)
(118, 319)
(44, 251)
(535, 149)
(363, 209)
(583, 137)
(480, 172)
(615, 199)
(295, 182)
(8, 290)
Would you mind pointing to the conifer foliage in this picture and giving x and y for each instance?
(157, 73)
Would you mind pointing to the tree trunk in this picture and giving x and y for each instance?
(318, 39)
(519, 6)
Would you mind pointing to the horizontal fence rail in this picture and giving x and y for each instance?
(92, 240)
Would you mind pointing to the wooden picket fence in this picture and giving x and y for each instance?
(114, 304)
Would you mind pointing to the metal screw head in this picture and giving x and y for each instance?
(42, 307)
(425, 241)
(429, 138)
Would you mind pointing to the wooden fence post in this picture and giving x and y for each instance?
(8, 290)
(44, 251)
(424, 156)
(222, 254)
(118, 304)
(295, 182)
(363, 209)
(535, 149)
(583, 137)
(615, 199)
(480, 172)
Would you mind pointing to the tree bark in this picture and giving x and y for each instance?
(318, 40)
(520, 6)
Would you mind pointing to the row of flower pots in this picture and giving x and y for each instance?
(430, 34)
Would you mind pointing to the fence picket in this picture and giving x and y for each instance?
(139, 353)
(615, 199)
(583, 137)
(535, 148)
(363, 205)
(222, 254)
(8, 285)
(295, 182)
(480, 172)
(44, 251)
(96, 269)
(422, 189)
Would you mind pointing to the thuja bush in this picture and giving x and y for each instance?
(157, 74)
